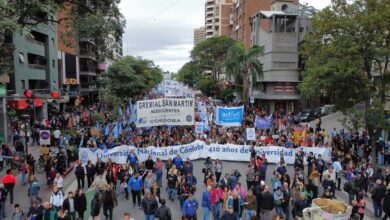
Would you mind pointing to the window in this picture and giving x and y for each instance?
(21, 58)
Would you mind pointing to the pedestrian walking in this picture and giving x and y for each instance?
(378, 194)
(19, 213)
(49, 211)
(35, 211)
(9, 182)
(90, 173)
(267, 203)
(69, 206)
(236, 201)
(3, 198)
(163, 212)
(33, 191)
(95, 206)
(229, 214)
(206, 203)
(250, 205)
(109, 201)
(134, 186)
(80, 175)
(149, 206)
(189, 208)
(172, 184)
(80, 202)
(299, 206)
(56, 198)
(386, 204)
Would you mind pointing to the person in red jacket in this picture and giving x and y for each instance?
(9, 182)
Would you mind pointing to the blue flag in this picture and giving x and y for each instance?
(107, 132)
(264, 123)
(120, 128)
(128, 110)
(116, 130)
(82, 141)
(120, 110)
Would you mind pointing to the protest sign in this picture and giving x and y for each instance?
(250, 134)
(229, 116)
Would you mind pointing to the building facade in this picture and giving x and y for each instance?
(35, 68)
(217, 18)
(199, 35)
(279, 32)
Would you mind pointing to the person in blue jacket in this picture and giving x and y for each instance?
(132, 159)
(236, 202)
(178, 162)
(189, 208)
(134, 186)
(206, 203)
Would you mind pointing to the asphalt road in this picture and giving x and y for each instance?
(70, 184)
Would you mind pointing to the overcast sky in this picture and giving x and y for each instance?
(162, 30)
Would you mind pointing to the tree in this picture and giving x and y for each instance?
(210, 55)
(132, 76)
(244, 65)
(206, 85)
(189, 74)
(347, 58)
(99, 21)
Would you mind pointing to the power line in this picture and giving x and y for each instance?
(157, 14)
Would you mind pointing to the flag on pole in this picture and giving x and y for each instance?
(116, 130)
(120, 110)
(107, 132)
(82, 141)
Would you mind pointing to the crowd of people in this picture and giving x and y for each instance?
(225, 194)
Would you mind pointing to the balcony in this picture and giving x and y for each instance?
(36, 66)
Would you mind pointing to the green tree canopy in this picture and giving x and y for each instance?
(210, 55)
(132, 76)
(347, 58)
(189, 74)
(242, 65)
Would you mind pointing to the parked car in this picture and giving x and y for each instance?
(306, 115)
(328, 109)
(318, 112)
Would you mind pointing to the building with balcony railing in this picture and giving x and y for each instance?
(279, 32)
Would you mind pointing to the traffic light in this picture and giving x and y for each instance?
(28, 93)
(54, 94)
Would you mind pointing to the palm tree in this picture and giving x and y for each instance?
(242, 65)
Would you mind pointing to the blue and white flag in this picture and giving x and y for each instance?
(199, 127)
(116, 130)
(107, 131)
(133, 117)
(120, 110)
(82, 141)
(128, 110)
(264, 123)
(229, 116)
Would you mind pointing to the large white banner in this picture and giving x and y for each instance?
(165, 111)
(173, 89)
(197, 150)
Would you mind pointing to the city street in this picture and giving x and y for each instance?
(70, 183)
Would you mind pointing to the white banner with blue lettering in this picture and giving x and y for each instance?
(198, 150)
(229, 116)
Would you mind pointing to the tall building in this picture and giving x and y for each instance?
(68, 63)
(35, 68)
(242, 10)
(217, 17)
(199, 35)
(279, 32)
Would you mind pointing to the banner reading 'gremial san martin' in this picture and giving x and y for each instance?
(165, 111)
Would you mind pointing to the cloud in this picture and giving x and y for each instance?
(162, 30)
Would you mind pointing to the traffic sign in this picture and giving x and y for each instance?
(44, 137)
(252, 99)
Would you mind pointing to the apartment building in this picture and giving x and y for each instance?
(199, 35)
(217, 17)
(35, 68)
(279, 31)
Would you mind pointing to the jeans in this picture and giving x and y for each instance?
(159, 174)
(249, 213)
(23, 178)
(149, 217)
(377, 208)
(279, 210)
(172, 192)
(109, 209)
(2, 210)
(206, 213)
(217, 211)
(351, 197)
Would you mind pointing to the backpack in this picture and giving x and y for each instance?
(347, 187)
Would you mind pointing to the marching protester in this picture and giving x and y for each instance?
(80, 202)
(9, 182)
(163, 212)
(149, 206)
(135, 186)
(109, 201)
(69, 206)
